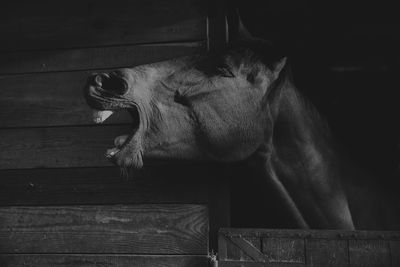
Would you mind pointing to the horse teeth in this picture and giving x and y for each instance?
(111, 152)
(99, 116)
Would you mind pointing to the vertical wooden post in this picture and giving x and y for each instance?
(217, 25)
(219, 205)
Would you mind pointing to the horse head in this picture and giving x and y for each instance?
(228, 106)
(212, 107)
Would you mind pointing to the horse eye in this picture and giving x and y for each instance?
(180, 99)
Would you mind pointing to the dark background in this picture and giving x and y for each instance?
(345, 60)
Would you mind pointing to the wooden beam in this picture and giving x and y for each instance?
(138, 229)
(84, 260)
(57, 147)
(94, 58)
(168, 183)
(88, 23)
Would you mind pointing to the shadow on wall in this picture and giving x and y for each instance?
(345, 59)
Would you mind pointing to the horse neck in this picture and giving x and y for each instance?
(303, 165)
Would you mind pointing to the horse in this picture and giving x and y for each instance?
(237, 104)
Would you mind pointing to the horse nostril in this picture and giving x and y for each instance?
(114, 84)
(98, 80)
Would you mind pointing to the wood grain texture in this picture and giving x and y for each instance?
(139, 229)
(57, 147)
(61, 147)
(312, 247)
(168, 183)
(257, 264)
(315, 234)
(324, 252)
(369, 253)
(286, 250)
(395, 252)
(60, 260)
(94, 58)
(56, 99)
(217, 27)
(46, 99)
(87, 23)
(235, 253)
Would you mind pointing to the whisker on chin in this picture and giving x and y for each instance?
(126, 171)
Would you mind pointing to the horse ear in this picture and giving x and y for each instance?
(277, 67)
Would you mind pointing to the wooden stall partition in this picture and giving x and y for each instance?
(264, 247)
(61, 202)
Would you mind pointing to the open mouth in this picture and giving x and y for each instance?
(106, 94)
(122, 142)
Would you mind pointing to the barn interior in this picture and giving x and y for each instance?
(62, 202)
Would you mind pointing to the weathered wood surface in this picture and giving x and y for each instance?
(369, 253)
(57, 147)
(217, 25)
(139, 229)
(63, 260)
(46, 99)
(62, 147)
(168, 183)
(239, 247)
(94, 58)
(325, 252)
(87, 23)
(56, 99)
(285, 250)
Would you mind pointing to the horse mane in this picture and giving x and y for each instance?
(251, 51)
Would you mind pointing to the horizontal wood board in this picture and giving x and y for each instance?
(307, 247)
(87, 23)
(168, 183)
(79, 260)
(94, 58)
(138, 229)
(56, 99)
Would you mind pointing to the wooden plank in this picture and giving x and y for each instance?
(257, 264)
(312, 247)
(220, 200)
(285, 250)
(217, 25)
(395, 252)
(54, 99)
(51, 260)
(238, 247)
(369, 253)
(169, 183)
(94, 58)
(65, 24)
(57, 147)
(240, 264)
(324, 252)
(47, 99)
(231, 251)
(139, 229)
(315, 234)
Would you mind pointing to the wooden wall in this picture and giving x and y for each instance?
(61, 202)
(301, 248)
